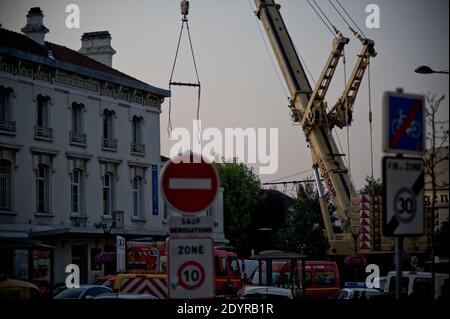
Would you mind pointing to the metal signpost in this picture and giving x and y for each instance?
(189, 185)
(403, 178)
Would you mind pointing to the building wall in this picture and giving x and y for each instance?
(62, 97)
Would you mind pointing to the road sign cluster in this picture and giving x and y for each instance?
(189, 185)
(403, 178)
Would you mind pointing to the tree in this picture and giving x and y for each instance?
(242, 194)
(442, 240)
(373, 187)
(437, 138)
(303, 231)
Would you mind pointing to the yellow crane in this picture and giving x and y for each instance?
(309, 109)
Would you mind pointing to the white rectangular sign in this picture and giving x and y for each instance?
(403, 205)
(120, 253)
(191, 273)
(191, 226)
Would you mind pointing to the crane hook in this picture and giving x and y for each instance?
(184, 5)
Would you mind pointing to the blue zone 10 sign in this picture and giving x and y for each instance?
(404, 123)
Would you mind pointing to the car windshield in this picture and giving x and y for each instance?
(70, 293)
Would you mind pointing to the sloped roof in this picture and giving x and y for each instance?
(61, 53)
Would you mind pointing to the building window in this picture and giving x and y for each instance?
(42, 189)
(42, 128)
(108, 194)
(137, 196)
(76, 191)
(77, 134)
(6, 121)
(109, 141)
(5, 185)
(137, 144)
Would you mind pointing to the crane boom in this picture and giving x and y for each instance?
(341, 113)
(309, 108)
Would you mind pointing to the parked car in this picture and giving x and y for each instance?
(416, 284)
(107, 281)
(58, 287)
(83, 292)
(264, 292)
(358, 293)
(380, 282)
(112, 295)
(18, 289)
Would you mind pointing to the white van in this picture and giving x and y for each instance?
(413, 281)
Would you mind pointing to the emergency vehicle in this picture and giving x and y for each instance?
(146, 270)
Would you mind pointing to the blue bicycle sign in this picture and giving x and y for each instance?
(413, 129)
(404, 123)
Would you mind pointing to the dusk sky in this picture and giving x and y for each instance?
(239, 85)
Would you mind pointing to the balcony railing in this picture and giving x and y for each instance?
(8, 126)
(45, 132)
(110, 143)
(79, 138)
(137, 148)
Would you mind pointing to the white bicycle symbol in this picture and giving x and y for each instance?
(413, 130)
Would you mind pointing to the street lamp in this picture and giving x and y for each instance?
(106, 229)
(424, 69)
(355, 229)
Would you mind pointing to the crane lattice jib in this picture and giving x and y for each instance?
(325, 153)
(316, 109)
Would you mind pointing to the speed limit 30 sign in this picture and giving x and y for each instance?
(403, 188)
(191, 273)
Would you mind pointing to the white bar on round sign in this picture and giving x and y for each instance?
(189, 183)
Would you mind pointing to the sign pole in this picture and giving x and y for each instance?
(398, 266)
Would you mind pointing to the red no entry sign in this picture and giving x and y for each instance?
(189, 183)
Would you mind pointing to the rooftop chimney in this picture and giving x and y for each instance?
(97, 45)
(35, 28)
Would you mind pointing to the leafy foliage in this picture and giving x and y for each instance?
(303, 229)
(242, 194)
(373, 187)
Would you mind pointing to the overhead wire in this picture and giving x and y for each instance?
(326, 17)
(295, 174)
(362, 33)
(184, 21)
(356, 34)
(346, 114)
(370, 120)
(169, 124)
(320, 17)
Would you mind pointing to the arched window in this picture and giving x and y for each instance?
(108, 193)
(42, 189)
(76, 191)
(137, 196)
(5, 185)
